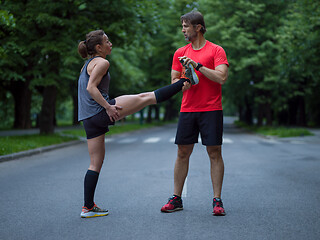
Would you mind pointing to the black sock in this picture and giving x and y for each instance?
(164, 93)
(90, 183)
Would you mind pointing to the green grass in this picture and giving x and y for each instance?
(280, 131)
(283, 132)
(14, 144)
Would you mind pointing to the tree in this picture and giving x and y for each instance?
(299, 40)
(245, 29)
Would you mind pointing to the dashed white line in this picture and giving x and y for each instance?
(152, 140)
(227, 140)
(128, 140)
(297, 142)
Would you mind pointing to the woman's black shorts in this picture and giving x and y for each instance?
(99, 123)
(208, 124)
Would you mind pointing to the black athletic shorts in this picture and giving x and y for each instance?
(208, 124)
(99, 123)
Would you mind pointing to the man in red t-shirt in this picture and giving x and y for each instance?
(201, 109)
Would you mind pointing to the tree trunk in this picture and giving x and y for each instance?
(157, 112)
(47, 115)
(268, 112)
(22, 104)
(171, 112)
(149, 117)
(260, 115)
(75, 121)
(301, 117)
(248, 112)
(292, 118)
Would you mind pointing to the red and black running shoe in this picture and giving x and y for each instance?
(218, 209)
(174, 204)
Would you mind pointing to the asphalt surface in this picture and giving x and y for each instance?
(270, 191)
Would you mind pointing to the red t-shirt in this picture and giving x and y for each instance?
(206, 95)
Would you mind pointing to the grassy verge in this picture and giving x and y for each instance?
(281, 132)
(14, 144)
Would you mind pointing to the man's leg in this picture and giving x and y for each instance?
(217, 169)
(180, 174)
(217, 172)
(181, 167)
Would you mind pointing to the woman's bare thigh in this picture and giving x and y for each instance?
(133, 103)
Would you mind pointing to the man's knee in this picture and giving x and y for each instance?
(184, 151)
(214, 153)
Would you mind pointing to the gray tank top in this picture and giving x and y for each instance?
(87, 106)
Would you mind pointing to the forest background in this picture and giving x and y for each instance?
(273, 48)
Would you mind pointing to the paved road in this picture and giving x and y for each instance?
(271, 191)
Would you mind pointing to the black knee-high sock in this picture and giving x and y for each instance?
(90, 183)
(164, 93)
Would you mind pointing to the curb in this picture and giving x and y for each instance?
(31, 152)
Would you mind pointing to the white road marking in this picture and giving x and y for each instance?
(297, 142)
(107, 140)
(152, 140)
(128, 140)
(185, 187)
(227, 140)
(270, 140)
(157, 139)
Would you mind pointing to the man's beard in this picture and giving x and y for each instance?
(191, 37)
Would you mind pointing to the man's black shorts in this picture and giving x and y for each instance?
(98, 124)
(208, 124)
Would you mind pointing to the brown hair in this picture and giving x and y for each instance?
(88, 46)
(194, 18)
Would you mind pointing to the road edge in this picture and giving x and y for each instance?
(31, 152)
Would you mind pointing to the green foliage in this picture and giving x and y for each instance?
(299, 38)
(273, 51)
(272, 46)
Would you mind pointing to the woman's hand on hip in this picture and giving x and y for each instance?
(113, 113)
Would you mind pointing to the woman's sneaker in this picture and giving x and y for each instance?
(189, 73)
(218, 209)
(174, 204)
(95, 211)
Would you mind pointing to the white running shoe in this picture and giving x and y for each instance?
(95, 211)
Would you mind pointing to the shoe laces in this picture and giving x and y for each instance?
(173, 200)
(217, 203)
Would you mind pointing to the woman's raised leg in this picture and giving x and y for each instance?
(133, 103)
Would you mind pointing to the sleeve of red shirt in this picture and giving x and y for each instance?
(221, 57)
(176, 65)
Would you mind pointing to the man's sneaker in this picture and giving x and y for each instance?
(189, 72)
(174, 204)
(95, 211)
(218, 209)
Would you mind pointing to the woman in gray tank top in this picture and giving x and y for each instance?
(97, 111)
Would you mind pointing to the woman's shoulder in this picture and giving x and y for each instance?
(99, 64)
(101, 61)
